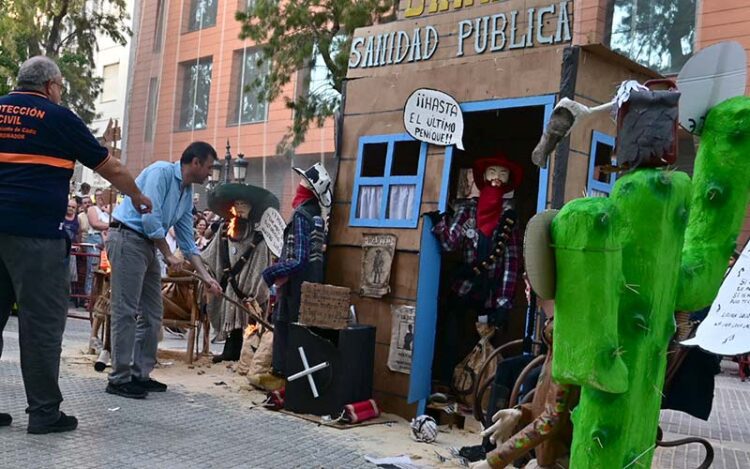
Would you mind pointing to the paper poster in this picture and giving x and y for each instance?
(726, 329)
(272, 226)
(434, 117)
(377, 256)
(402, 338)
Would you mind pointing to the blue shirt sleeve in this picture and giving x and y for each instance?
(302, 230)
(154, 187)
(83, 145)
(183, 229)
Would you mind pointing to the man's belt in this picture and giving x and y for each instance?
(118, 224)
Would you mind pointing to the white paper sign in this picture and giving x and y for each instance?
(712, 75)
(726, 329)
(434, 117)
(272, 226)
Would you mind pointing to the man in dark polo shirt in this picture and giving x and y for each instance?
(40, 141)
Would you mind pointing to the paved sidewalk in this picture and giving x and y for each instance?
(176, 429)
(182, 429)
(728, 428)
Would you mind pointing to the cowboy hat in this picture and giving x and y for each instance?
(320, 182)
(221, 199)
(500, 159)
(539, 255)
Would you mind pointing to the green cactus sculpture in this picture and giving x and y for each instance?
(624, 265)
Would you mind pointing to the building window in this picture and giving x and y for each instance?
(159, 30)
(657, 34)
(601, 178)
(388, 182)
(202, 14)
(196, 87)
(110, 76)
(247, 108)
(153, 96)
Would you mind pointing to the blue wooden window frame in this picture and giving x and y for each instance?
(597, 138)
(387, 181)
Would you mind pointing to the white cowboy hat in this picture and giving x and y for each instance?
(318, 178)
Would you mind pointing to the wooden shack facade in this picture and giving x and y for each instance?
(506, 63)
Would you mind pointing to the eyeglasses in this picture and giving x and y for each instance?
(60, 84)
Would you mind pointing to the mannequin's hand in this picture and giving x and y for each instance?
(435, 217)
(506, 421)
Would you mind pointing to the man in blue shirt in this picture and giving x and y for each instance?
(40, 141)
(136, 301)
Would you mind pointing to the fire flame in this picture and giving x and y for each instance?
(232, 228)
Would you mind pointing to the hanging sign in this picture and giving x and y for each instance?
(726, 329)
(402, 338)
(434, 117)
(377, 257)
(272, 226)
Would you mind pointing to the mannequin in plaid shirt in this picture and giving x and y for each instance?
(489, 245)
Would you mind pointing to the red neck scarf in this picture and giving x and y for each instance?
(303, 195)
(489, 208)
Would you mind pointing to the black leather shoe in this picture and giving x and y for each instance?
(64, 424)
(130, 390)
(150, 385)
(5, 419)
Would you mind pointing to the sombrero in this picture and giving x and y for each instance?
(538, 254)
(320, 181)
(500, 159)
(221, 199)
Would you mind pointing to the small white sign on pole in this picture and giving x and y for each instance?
(726, 329)
(272, 226)
(434, 117)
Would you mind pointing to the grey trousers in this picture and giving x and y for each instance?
(136, 303)
(34, 273)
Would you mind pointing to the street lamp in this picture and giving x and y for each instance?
(226, 171)
(240, 168)
(215, 175)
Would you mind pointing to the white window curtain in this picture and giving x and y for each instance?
(370, 198)
(401, 202)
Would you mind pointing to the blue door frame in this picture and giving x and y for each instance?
(420, 382)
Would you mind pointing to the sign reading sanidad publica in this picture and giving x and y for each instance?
(508, 30)
(434, 117)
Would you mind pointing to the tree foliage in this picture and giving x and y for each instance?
(291, 35)
(65, 30)
(657, 33)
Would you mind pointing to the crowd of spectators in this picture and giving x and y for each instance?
(86, 226)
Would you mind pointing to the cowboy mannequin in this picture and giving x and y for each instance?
(301, 257)
(237, 256)
(483, 231)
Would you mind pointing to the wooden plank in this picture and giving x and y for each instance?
(575, 183)
(341, 233)
(489, 79)
(377, 312)
(386, 380)
(344, 269)
(395, 404)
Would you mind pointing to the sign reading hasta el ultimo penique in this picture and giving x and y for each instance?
(516, 29)
(434, 117)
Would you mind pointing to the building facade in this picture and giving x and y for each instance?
(112, 62)
(188, 82)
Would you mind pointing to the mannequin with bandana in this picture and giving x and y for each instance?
(302, 256)
(483, 231)
(237, 255)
